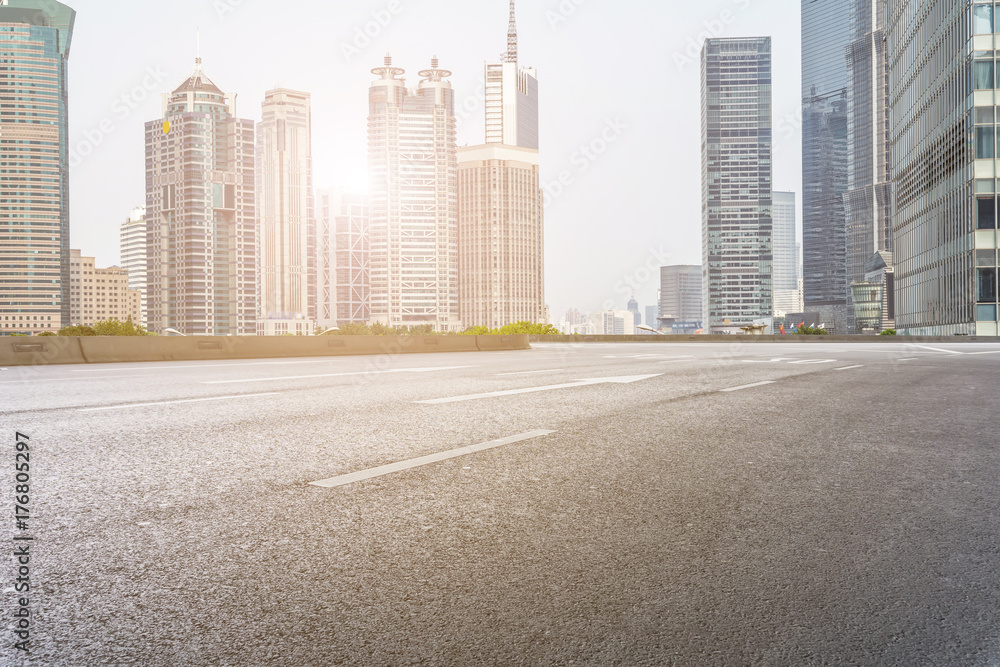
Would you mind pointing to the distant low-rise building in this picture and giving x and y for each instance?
(100, 294)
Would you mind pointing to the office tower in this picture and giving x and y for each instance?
(133, 254)
(511, 97)
(736, 159)
(681, 294)
(344, 258)
(868, 198)
(942, 93)
(826, 35)
(201, 221)
(101, 294)
(413, 193)
(35, 36)
(286, 230)
(633, 307)
(652, 314)
(787, 298)
(501, 244)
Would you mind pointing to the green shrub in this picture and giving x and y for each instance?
(888, 332)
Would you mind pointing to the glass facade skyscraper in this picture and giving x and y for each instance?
(511, 97)
(35, 38)
(787, 298)
(826, 34)
(943, 152)
(736, 182)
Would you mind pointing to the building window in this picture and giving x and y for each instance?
(982, 20)
(984, 142)
(983, 75)
(986, 213)
(987, 279)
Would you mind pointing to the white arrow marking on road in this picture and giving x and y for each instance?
(334, 375)
(529, 390)
(425, 460)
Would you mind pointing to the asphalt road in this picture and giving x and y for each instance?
(647, 504)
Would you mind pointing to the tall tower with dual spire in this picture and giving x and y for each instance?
(511, 97)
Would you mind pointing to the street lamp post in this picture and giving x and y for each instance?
(643, 327)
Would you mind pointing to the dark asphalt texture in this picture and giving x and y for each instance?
(834, 517)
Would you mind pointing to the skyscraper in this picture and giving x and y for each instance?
(201, 221)
(681, 294)
(343, 257)
(286, 232)
(511, 97)
(787, 298)
(412, 167)
(942, 93)
(736, 167)
(826, 34)
(35, 37)
(133, 254)
(868, 198)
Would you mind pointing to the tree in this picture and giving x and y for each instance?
(888, 332)
(811, 331)
(115, 327)
(77, 330)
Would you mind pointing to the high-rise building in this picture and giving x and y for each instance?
(344, 257)
(943, 148)
(681, 294)
(736, 158)
(511, 97)
(100, 294)
(826, 36)
(868, 198)
(501, 244)
(413, 198)
(787, 298)
(133, 254)
(200, 214)
(652, 315)
(35, 37)
(286, 231)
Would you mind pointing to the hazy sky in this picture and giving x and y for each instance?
(625, 70)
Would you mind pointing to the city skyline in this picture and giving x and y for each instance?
(547, 41)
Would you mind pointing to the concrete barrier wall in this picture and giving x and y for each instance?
(764, 339)
(34, 350)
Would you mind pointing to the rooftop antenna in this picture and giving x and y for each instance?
(511, 55)
(197, 48)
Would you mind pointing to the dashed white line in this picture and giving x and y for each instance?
(530, 390)
(186, 400)
(937, 349)
(425, 460)
(814, 361)
(76, 379)
(847, 368)
(554, 370)
(334, 375)
(749, 386)
(909, 359)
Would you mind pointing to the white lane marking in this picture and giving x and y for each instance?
(815, 361)
(937, 349)
(554, 370)
(186, 400)
(425, 460)
(749, 386)
(847, 368)
(334, 375)
(88, 379)
(767, 361)
(529, 390)
(909, 359)
(990, 352)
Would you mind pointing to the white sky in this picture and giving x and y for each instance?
(633, 63)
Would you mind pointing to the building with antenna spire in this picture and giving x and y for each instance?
(500, 217)
(413, 188)
(511, 97)
(200, 213)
